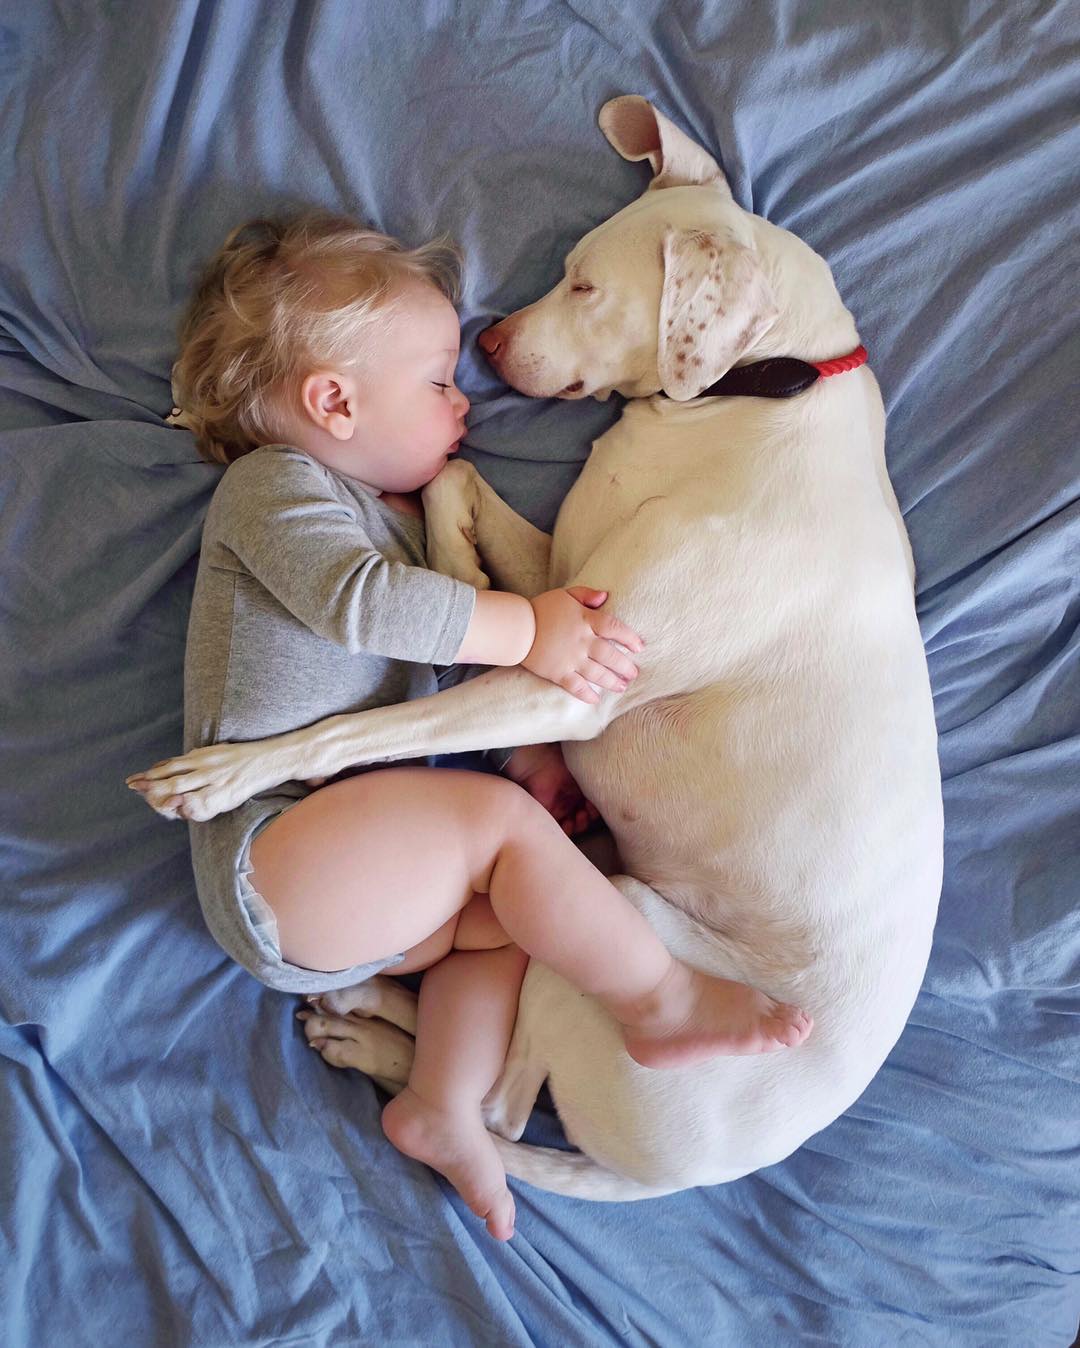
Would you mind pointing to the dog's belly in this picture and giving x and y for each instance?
(662, 777)
(777, 838)
(665, 779)
(642, 774)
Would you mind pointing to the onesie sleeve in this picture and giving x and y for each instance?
(278, 516)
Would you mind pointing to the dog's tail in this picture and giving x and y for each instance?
(572, 1174)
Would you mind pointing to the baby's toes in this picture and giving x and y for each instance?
(499, 1212)
(789, 1025)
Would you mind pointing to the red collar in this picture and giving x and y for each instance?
(781, 376)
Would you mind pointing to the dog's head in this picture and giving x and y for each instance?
(667, 294)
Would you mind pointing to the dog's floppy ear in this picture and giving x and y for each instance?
(638, 131)
(714, 306)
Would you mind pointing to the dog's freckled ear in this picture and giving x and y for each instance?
(712, 308)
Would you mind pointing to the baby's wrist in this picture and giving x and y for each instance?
(501, 632)
(545, 632)
(530, 628)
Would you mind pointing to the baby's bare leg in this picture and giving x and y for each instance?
(468, 1004)
(556, 905)
(377, 863)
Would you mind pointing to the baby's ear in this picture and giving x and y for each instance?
(328, 400)
(715, 304)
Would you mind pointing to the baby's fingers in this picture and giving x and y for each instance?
(583, 691)
(608, 626)
(604, 653)
(604, 678)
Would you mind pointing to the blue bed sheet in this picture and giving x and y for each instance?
(176, 1166)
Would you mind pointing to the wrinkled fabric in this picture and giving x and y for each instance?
(177, 1166)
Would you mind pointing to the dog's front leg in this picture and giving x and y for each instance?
(474, 536)
(498, 709)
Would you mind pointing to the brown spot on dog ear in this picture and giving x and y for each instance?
(680, 355)
(696, 360)
(670, 322)
(701, 327)
(687, 338)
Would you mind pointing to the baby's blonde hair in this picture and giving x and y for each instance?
(280, 299)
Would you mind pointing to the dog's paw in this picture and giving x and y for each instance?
(458, 558)
(339, 1041)
(507, 1106)
(369, 1046)
(199, 785)
(363, 1000)
(377, 998)
(450, 504)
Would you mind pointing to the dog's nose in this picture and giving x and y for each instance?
(490, 340)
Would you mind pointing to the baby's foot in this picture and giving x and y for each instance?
(691, 1016)
(460, 1148)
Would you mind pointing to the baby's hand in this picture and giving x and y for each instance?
(542, 771)
(573, 644)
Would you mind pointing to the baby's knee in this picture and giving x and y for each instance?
(498, 813)
(513, 805)
(492, 805)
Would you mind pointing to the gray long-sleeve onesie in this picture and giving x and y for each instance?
(312, 598)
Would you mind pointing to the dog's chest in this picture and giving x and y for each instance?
(640, 460)
(605, 496)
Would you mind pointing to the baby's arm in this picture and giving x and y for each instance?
(278, 515)
(277, 518)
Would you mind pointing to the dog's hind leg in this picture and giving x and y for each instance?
(510, 1101)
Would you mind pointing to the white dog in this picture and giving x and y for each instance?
(771, 778)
